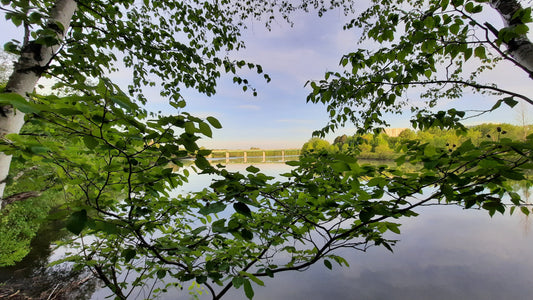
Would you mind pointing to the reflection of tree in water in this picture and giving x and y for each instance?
(46, 283)
(31, 278)
(525, 190)
(527, 220)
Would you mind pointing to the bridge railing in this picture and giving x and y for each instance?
(254, 153)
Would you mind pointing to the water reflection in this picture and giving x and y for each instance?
(253, 159)
(31, 278)
(445, 253)
(526, 196)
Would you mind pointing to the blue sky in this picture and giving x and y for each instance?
(279, 116)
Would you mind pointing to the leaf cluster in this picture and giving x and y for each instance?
(429, 50)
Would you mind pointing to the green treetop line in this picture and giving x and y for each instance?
(383, 146)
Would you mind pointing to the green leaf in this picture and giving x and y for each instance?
(90, 141)
(393, 227)
(77, 221)
(429, 22)
(35, 17)
(366, 214)
(68, 111)
(512, 174)
(466, 146)
(248, 290)
(124, 103)
(205, 129)
(39, 149)
(510, 101)
(525, 210)
(212, 208)
(109, 228)
(492, 207)
(293, 163)
(214, 122)
(252, 169)
(521, 29)
(190, 128)
(430, 150)
(454, 28)
(129, 254)
(201, 279)
(327, 263)
(377, 181)
(242, 208)
(252, 277)
(480, 52)
(201, 162)
(340, 166)
(218, 226)
(18, 102)
(496, 105)
(161, 273)
(238, 281)
(468, 53)
(387, 246)
(247, 234)
(469, 7)
(269, 273)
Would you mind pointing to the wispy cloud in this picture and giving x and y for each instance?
(249, 107)
(295, 121)
(205, 114)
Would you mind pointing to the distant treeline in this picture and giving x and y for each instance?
(382, 146)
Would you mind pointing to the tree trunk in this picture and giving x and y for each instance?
(33, 61)
(520, 48)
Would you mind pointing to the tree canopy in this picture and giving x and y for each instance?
(436, 50)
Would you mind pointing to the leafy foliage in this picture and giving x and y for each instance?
(20, 220)
(175, 44)
(121, 164)
(315, 144)
(383, 146)
(433, 49)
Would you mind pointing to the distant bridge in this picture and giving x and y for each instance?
(256, 154)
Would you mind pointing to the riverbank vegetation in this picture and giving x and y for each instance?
(384, 147)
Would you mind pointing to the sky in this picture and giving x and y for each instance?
(279, 116)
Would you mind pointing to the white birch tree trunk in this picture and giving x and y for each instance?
(32, 62)
(521, 48)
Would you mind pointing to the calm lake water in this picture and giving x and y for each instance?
(445, 253)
